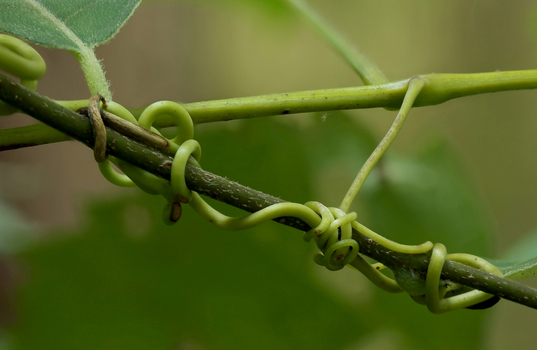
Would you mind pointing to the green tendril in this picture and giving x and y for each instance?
(22, 61)
(182, 156)
(113, 176)
(331, 228)
(180, 117)
(105, 162)
(414, 87)
(435, 292)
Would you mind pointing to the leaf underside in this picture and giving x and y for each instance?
(65, 24)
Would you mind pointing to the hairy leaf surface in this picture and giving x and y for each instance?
(67, 25)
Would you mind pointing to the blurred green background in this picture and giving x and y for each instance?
(85, 265)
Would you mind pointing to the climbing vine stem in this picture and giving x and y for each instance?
(438, 88)
(159, 162)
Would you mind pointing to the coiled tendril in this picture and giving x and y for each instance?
(333, 237)
(331, 227)
(435, 296)
(22, 61)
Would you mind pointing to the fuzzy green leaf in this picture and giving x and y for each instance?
(67, 25)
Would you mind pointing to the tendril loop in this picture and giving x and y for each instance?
(182, 157)
(331, 228)
(22, 61)
(333, 237)
(183, 121)
(188, 150)
(99, 130)
(434, 291)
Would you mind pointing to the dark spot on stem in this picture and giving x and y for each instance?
(286, 111)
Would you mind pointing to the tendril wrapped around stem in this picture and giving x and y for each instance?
(331, 227)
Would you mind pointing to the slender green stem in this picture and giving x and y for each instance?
(214, 186)
(372, 96)
(94, 72)
(32, 135)
(438, 88)
(368, 71)
(414, 87)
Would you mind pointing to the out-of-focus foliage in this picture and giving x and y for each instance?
(126, 281)
(268, 8)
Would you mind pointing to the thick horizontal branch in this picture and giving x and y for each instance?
(78, 127)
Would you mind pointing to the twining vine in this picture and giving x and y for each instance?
(171, 168)
(158, 161)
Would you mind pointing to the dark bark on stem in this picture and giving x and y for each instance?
(158, 162)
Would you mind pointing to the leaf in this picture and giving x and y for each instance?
(517, 270)
(520, 261)
(67, 25)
